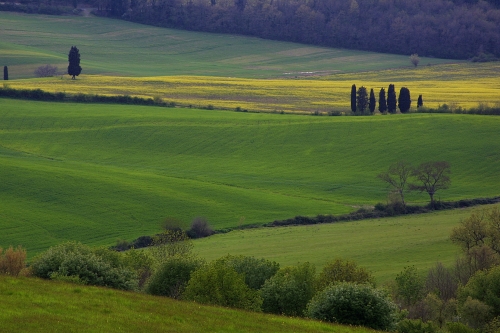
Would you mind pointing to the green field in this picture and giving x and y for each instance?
(100, 173)
(120, 48)
(32, 305)
(384, 246)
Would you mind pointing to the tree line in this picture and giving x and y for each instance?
(362, 104)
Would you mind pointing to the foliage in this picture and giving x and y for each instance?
(200, 228)
(404, 100)
(74, 68)
(456, 327)
(420, 101)
(219, 284)
(5, 73)
(484, 286)
(382, 103)
(361, 101)
(415, 59)
(409, 286)
(353, 99)
(172, 276)
(391, 99)
(372, 102)
(93, 267)
(344, 271)
(431, 177)
(433, 308)
(255, 271)
(416, 326)
(12, 261)
(171, 243)
(46, 71)
(354, 304)
(442, 282)
(397, 177)
(289, 290)
(475, 313)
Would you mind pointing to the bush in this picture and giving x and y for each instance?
(200, 228)
(475, 313)
(484, 286)
(344, 271)
(289, 290)
(256, 271)
(354, 304)
(416, 326)
(46, 71)
(454, 327)
(219, 284)
(99, 268)
(172, 277)
(12, 261)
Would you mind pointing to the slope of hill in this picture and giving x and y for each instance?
(33, 305)
(99, 173)
(115, 47)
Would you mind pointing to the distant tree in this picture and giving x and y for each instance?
(353, 98)
(362, 100)
(372, 102)
(5, 73)
(409, 286)
(344, 271)
(46, 71)
(420, 101)
(256, 271)
(431, 177)
(404, 100)
(74, 68)
(200, 228)
(398, 176)
(382, 103)
(414, 59)
(391, 99)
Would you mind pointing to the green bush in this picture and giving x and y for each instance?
(344, 271)
(289, 290)
(455, 327)
(256, 271)
(354, 304)
(172, 277)
(416, 326)
(219, 284)
(100, 267)
(485, 287)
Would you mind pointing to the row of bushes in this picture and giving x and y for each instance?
(481, 109)
(382, 210)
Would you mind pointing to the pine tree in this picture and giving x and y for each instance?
(372, 103)
(404, 100)
(74, 68)
(420, 101)
(353, 98)
(5, 73)
(382, 103)
(362, 101)
(391, 99)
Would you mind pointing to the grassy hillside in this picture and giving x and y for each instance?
(99, 173)
(115, 47)
(384, 246)
(30, 305)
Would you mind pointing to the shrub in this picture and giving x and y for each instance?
(455, 327)
(289, 290)
(475, 313)
(354, 304)
(200, 228)
(172, 277)
(409, 286)
(219, 284)
(416, 326)
(484, 286)
(46, 71)
(12, 261)
(256, 271)
(344, 271)
(100, 268)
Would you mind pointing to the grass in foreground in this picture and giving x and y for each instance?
(30, 305)
(100, 173)
(384, 246)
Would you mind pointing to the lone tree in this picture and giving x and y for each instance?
(382, 103)
(397, 177)
(372, 102)
(353, 98)
(420, 101)
(5, 73)
(391, 99)
(432, 176)
(362, 100)
(414, 59)
(404, 100)
(74, 68)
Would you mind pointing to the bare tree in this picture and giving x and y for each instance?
(46, 71)
(432, 176)
(414, 59)
(397, 177)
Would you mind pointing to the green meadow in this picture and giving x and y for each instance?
(100, 173)
(120, 48)
(33, 305)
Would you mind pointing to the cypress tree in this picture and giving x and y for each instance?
(373, 102)
(74, 68)
(5, 73)
(404, 100)
(391, 99)
(420, 101)
(382, 103)
(362, 101)
(353, 98)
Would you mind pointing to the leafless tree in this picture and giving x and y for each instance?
(46, 71)
(431, 177)
(414, 59)
(397, 177)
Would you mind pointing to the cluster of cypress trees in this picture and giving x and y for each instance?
(361, 104)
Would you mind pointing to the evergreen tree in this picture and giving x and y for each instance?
(74, 68)
(5, 73)
(362, 101)
(372, 103)
(353, 98)
(420, 101)
(391, 99)
(382, 103)
(404, 100)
